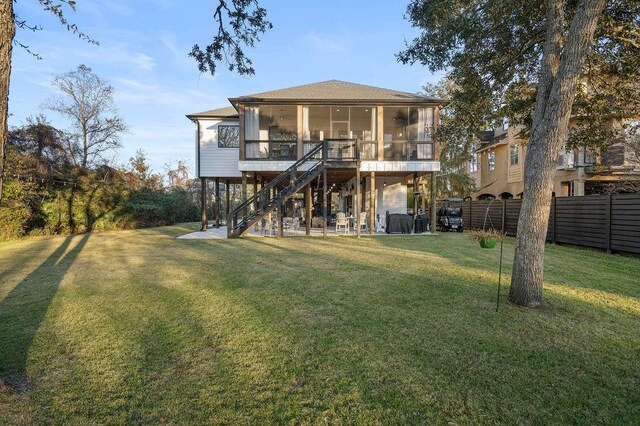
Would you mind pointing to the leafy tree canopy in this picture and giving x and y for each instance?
(456, 135)
(492, 50)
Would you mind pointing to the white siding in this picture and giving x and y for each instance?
(391, 194)
(214, 161)
(400, 166)
(391, 198)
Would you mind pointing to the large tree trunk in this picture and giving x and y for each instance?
(559, 75)
(7, 33)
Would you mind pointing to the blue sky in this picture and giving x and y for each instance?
(143, 54)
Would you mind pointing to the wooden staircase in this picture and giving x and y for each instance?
(285, 186)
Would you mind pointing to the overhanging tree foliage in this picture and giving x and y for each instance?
(239, 24)
(246, 19)
(456, 133)
(492, 47)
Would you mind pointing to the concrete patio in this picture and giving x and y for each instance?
(214, 233)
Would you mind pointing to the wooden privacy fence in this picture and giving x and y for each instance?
(609, 222)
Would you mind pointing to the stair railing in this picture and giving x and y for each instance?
(261, 199)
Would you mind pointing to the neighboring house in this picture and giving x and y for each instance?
(351, 147)
(497, 167)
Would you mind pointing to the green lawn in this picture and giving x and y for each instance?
(138, 327)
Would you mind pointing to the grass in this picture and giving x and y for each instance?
(138, 327)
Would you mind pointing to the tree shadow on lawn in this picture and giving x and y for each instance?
(438, 331)
(24, 308)
(13, 259)
(350, 314)
(336, 331)
(589, 269)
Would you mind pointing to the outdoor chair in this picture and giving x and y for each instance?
(342, 222)
(263, 225)
(296, 223)
(363, 222)
(291, 224)
(273, 227)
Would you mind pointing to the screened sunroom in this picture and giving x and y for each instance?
(369, 133)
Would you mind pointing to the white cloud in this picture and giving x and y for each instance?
(327, 43)
(151, 94)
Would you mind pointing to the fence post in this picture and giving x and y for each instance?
(504, 216)
(608, 223)
(553, 217)
(470, 216)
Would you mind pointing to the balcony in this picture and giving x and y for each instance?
(346, 150)
(271, 150)
(409, 151)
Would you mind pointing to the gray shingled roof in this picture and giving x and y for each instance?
(226, 112)
(336, 90)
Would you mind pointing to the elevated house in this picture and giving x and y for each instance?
(331, 145)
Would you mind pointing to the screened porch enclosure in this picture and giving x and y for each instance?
(276, 132)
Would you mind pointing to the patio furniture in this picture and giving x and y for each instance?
(363, 222)
(422, 223)
(291, 224)
(263, 225)
(273, 227)
(342, 222)
(398, 223)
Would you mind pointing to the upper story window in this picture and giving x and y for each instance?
(473, 162)
(338, 122)
(271, 123)
(228, 136)
(566, 158)
(491, 160)
(513, 155)
(407, 123)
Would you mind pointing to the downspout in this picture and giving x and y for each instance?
(197, 148)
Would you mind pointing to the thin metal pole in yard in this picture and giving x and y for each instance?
(499, 275)
(324, 203)
(503, 225)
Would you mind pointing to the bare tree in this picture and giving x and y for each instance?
(87, 100)
(177, 175)
(8, 24)
(239, 26)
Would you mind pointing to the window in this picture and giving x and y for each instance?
(491, 161)
(316, 123)
(270, 122)
(407, 124)
(505, 124)
(565, 158)
(473, 163)
(338, 122)
(513, 155)
(228, 136)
